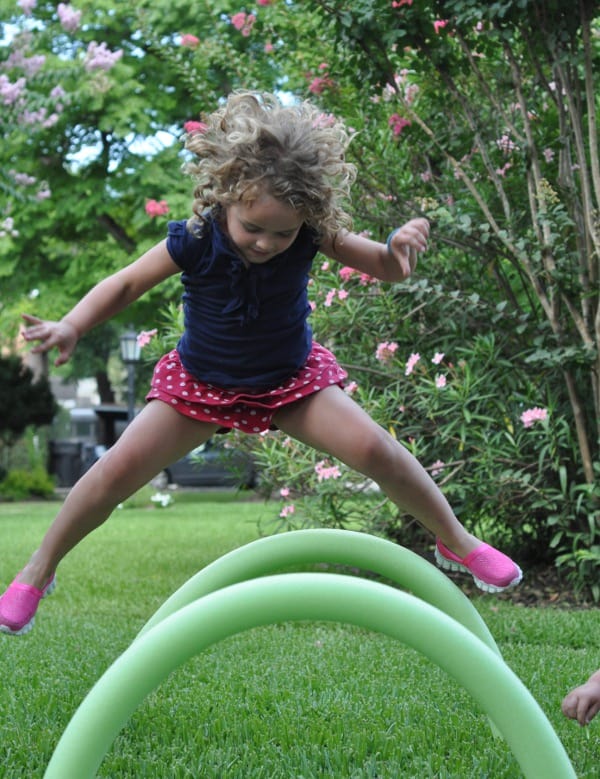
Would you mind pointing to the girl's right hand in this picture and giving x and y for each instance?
(61, 334)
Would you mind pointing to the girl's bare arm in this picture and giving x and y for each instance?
(107, 298)
(374, 258)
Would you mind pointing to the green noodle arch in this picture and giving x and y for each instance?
(309, 596)
(305, 547)
(344, 547)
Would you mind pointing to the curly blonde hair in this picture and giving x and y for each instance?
(254, 144)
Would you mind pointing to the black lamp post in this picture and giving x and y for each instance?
(130, 354)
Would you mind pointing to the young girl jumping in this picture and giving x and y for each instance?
(270, 184)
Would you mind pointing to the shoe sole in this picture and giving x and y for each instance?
(21, 632)
(49, 589)
(450, 565)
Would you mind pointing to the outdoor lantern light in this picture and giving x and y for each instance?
(130, 349)
(130, 354)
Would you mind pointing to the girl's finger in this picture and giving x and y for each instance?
(31, 320)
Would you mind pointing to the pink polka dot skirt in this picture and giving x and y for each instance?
(248, 410)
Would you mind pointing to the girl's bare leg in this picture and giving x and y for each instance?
(158, 436)
(330, 421)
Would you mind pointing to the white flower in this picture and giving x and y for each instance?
(162, 499)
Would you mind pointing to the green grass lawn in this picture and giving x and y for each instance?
(295, 700)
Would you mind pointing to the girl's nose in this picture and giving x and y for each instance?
(264, 244)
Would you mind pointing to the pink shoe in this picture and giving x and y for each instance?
(19, 604)
(491, 570)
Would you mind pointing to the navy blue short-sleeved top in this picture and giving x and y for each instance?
(245, 325)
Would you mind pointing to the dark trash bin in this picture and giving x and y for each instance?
(89, 454)
(65, 461)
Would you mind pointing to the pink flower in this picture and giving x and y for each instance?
(68, 17)
(264, 2)
(195, 127)
(365, 279)
(268, 47)
(437, 467)
(340, 294)
(411, 362)
(437, 358)
(398, 123)
(329, 298)
(324, 120)
(346, 273)
(385, 351)
(50, 121)
(247, 29)
(243, 22)
(144, 338)
(319, 84)
(439, 24)
(440, 381)
(99, 57)
(156, 208)
(57, 93)
(189, 41)
(10, 92)
(287, 510)
(27, 6)
(238, 20)
(284, 492)
(506, 145)
(400, 3)
(504, 169)
(31, 65)
(548, 155)
(23, 179)
(325, 471)
(34, 117)
(351, 388)
(532, 415)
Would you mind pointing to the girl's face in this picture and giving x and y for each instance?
(262, 228)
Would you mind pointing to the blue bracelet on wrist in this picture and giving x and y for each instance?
(388, 243)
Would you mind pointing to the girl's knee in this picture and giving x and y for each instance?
(377, 453)
(113, 472)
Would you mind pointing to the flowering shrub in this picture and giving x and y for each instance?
(463, 404)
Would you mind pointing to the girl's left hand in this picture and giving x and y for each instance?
(583, 703)
(407, 241)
